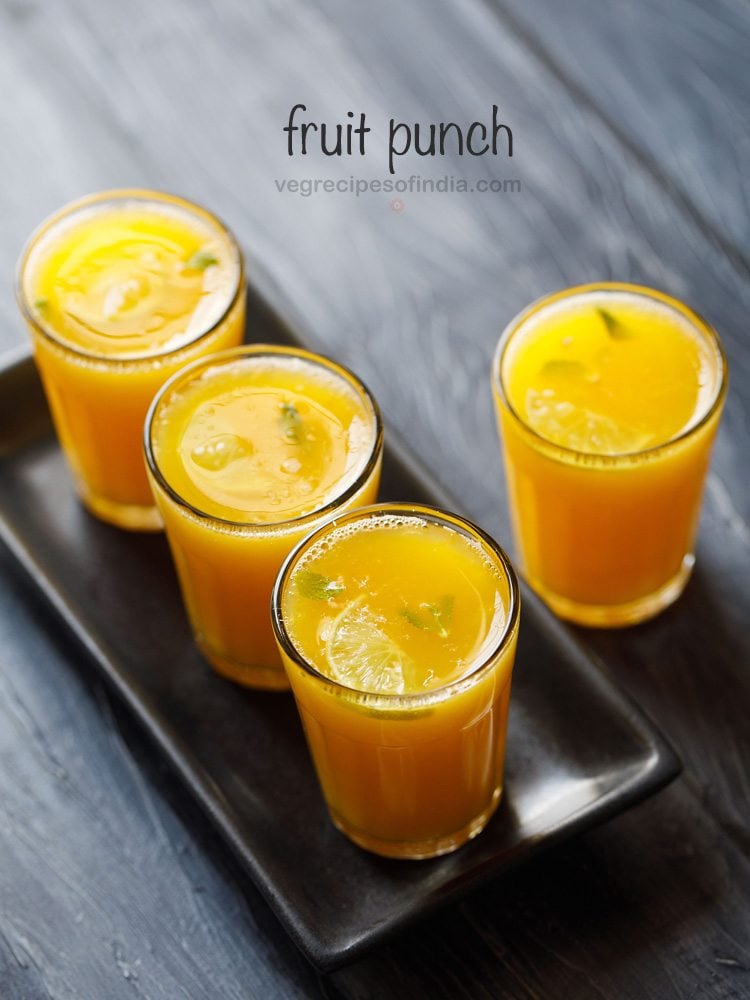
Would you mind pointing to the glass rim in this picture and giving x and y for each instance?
(686, 312)
(436, 515)
(114, 195)
(261, 350)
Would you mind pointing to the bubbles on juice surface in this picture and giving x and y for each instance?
(283, 462)
(395, 605)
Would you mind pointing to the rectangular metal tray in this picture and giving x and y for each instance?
(579, 750)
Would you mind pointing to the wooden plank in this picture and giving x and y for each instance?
(671, 81)
(113, 883)
(629, 911)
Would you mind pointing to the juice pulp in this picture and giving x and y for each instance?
(250, 450)
(605, 401)
(400, 610)
(121, 290)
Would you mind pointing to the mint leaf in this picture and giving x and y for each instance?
(432, 617)
(291, 422)
(316, 586)
(200, 260)
(41, 305)
(616, 329)
(564, 367)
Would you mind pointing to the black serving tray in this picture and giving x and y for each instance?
(579, 751)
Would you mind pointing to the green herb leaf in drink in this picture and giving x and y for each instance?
(318, 587)
(432, 617)
(291, 423)
(564, 368)
(41, 305)
(200, 260)
(615, 328)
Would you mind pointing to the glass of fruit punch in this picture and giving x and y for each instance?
(397, 624)
(608, 399)
(119, 290)
(248, 450)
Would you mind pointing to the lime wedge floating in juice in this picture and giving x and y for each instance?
(361, 655)
(218, 452)
(579, 428)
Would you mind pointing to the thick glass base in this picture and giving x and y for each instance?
(418, 850)
(266, 678)
(617, 615)
(131, 517)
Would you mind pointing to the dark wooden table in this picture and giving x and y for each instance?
(630, 124)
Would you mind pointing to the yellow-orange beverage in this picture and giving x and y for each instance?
(398, 628)
(120, 290)
(608, 399)
(249, 450)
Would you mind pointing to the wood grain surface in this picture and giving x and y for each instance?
(630, 143)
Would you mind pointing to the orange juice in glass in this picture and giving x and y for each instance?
(398, 625)
(608, 399)
(248, 450)
(119, 290)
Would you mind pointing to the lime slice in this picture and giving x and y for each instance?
(579, 428)
(361, 655)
